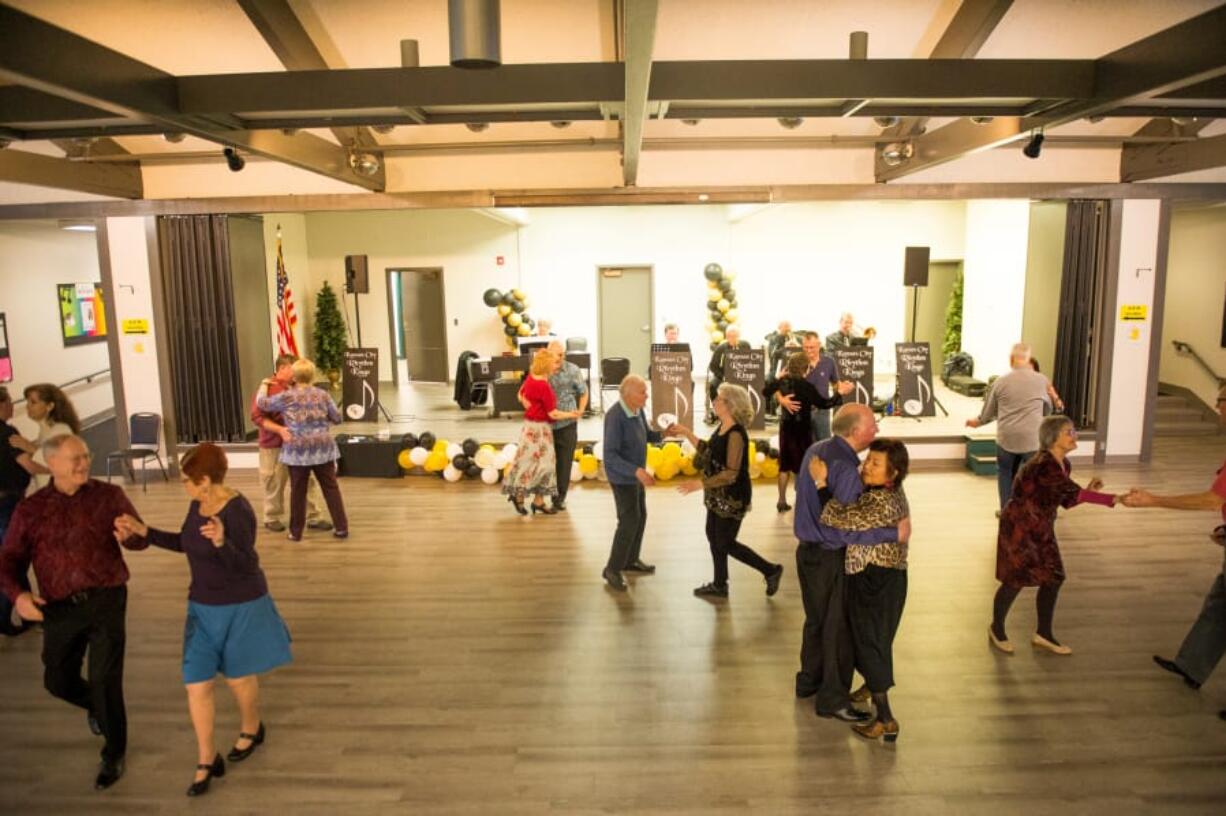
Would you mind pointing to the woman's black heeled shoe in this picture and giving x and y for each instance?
(217, 768)
(540, 508)
(257, 739)
(519, 505)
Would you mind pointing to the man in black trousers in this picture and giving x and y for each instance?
(66, 531)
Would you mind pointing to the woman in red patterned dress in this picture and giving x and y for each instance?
(1027, 553)
(534, 471)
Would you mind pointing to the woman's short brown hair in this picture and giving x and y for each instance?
(896, 456)
(542, 363)
(206, 459)
(797, 365)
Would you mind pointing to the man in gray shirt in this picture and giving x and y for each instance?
(1017, 402)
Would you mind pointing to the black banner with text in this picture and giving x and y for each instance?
(915, 380)
(360, 387)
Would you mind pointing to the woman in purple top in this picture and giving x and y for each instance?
(232, 626)
(308, 411)
(1026, 550)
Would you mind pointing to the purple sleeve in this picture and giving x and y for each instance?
(334, 414)
(238, 551)
(1094, 497)
(844, 482)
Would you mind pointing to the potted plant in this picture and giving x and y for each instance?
(330, 339)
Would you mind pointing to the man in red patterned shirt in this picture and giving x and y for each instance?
(1205, 642)
(66, 531)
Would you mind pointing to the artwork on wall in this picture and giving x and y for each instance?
(82, 318)
(6, 362)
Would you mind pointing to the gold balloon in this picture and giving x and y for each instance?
(714, 295)
(731, 315)
(517, 294)
(523, 330)
(588, 464)
(723, 305)
(503, 310)
(514, 319)
(717, 336)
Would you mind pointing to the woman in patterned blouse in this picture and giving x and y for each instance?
(308, 411)
(877, 574)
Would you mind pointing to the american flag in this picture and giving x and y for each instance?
(286, 318)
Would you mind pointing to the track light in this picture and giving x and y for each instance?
(983, 120)
(895, 153)
(174, 136)
(477, 127)
(1034, 146)
(690, 122)
(234, 161)
(1182, 121)
(289, 131)
(560, 123)
(885, 121)
(382, 129)
(791, 122)
(364, 164)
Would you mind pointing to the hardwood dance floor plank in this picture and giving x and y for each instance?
(453, 658)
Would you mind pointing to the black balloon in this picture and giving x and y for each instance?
(506, 298)
(510, 331)
(470, 447)
(517, 305)
(409, 440)
(427, 440)
(492, 297)
(473, 471)
(773, 453)
(713, 272)
(587, 449)
(722, 325)
(460, 462)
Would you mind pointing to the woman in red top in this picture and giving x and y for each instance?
(1026, 550)
(534, 471)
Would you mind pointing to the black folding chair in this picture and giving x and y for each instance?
(612, 371)
(143, 436)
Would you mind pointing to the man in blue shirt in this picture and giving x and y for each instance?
(626, 434)
(826, 659)
(822, 374)
(570, 387)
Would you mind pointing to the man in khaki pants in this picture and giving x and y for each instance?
(274, 476)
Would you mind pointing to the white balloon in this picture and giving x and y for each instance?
(510, 450)
(500, 461)
(688, 449)
(651, 471)
(484, 458)
(451, 474)
(598, 450)
(575, 473)
(759, 457)
(489, 475)
(775, 441)
(418, 456)
(454, 450)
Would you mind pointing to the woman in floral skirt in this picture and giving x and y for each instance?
(534, 471)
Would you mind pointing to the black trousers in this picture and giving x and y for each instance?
(875, 599)
(721, 535)
(826, 659)
(325, 474)
(564, 441)
(94, 621)
(631, 501)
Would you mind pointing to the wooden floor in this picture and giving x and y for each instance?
(452, 657)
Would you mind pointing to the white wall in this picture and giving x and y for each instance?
(1131, 339)
(1195, 292)
(34, 257)
(994, 282)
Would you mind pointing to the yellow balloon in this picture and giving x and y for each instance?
(717, 336)
(487, 446)
(667, 471)
(514, 319)
(731, 315)
(440, 446)
(404, 461)
(588, 464)
(770, 468)
(578, 455)
(713, 294)
(723, 305)
(671, 451)
(517, 294)
(687, 466)
(503, 310)
(654, 457)
(753, 451)
(436, 461)
(523, 330)
(710, 325)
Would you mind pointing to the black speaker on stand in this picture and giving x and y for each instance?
(357, 282)
(915, 275)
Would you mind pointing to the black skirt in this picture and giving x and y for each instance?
(875, 600)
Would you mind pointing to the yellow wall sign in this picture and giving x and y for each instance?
(1134, 312)
(136, 325)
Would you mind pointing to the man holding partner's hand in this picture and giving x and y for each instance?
(1205, 642)
(65, 530)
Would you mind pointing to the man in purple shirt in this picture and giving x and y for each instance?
(822, 375)
(826, 660)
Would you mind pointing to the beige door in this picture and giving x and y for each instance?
(423, 323)
(625, 314)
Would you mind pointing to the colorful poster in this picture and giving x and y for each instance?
(6, 362)
(82, 318)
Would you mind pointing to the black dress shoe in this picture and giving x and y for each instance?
(275, 526)
(559, 505)
(518, 505)
(614, 579)
(849, 714)
(712, 591)
(239, 754)
(1222, 714)
(772, 580)
(1170, 666)
(108, 773)
(540, 508)
(319, 524)
(637, 565)
(95, 727)
(215, 768)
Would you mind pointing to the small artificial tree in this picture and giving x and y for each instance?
(952, 343)
(330, 340)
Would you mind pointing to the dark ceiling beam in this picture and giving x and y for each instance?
(968, 30)
(121, 180)
(289, 39)
(21, 104)
(49, 59)
(1150, 161)
(640, 21)
(1178, 57)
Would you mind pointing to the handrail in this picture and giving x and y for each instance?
(88, 378)
(1186, 348)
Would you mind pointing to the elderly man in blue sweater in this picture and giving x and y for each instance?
(626, 434)
(826, 659)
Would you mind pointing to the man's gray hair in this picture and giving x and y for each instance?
(671, 327)
(52, 445)
(1020, 352)
(846, 316)
(1050, 429)
(737, 400)
(846, 420)
(630, 379)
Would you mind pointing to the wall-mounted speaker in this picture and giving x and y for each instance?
(915, 272)
(356, 279)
